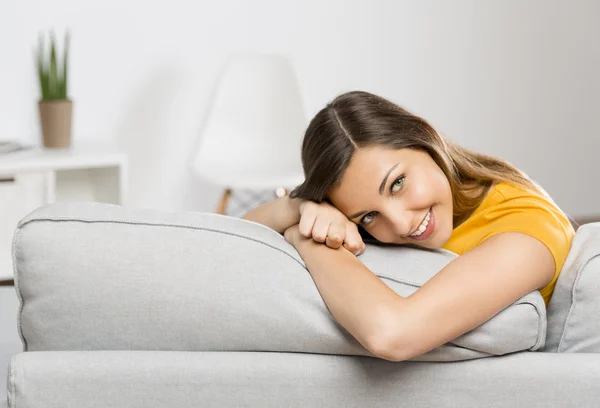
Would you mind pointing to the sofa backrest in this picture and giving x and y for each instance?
(94, 276)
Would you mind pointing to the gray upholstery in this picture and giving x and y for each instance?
(140, 308)
(574, 311)
(159, 379)
(96, 276)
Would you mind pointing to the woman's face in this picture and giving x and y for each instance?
(398, 196)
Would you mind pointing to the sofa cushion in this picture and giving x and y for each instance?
(158, 379)
(94, 276)
(573, 322)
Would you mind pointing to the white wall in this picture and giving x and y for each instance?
(517, 79)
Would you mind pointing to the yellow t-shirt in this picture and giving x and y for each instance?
(511, 208)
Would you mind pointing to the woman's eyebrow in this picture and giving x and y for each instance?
(381, 187)
(384, 182)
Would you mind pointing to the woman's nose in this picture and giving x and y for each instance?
(401, 222)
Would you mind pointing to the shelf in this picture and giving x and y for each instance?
(82, 155)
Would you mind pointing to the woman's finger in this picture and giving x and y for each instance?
(319, 231)
(335, 235)
(306, 224)
(353, 241)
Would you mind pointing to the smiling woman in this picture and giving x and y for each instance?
(377, 173)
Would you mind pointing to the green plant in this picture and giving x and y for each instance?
(53, 78)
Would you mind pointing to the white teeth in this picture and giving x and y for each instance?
(422, 227)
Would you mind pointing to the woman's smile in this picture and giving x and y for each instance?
(426, 227)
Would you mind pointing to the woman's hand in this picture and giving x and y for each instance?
(326, 224)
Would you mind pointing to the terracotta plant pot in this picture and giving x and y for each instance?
(55, 118)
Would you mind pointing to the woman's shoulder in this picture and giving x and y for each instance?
(509, 193)
(512, 190)
(509, 206)
(511, 203)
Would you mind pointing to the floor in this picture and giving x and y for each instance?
(10, 343)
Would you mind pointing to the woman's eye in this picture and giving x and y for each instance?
(367, 219)
(397, 185)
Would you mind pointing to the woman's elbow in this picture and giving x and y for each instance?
(392, 347)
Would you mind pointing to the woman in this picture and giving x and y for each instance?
(375, 171)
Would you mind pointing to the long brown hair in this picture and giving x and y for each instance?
(359, 119)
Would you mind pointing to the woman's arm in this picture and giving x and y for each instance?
(354, 295)
(466, 293)
(279, 214)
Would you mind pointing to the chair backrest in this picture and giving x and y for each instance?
(253, 131)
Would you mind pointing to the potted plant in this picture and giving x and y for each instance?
(55, 107)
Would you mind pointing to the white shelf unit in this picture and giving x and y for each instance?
(32, 178)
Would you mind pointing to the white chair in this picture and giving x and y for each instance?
(252, 135)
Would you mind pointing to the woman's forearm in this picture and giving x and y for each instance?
(279, 214)
(355, 296)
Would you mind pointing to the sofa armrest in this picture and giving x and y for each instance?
(573, 322)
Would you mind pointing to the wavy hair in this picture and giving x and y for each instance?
(359, 119)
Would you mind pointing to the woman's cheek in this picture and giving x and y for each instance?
(421, 195)
(382, 234)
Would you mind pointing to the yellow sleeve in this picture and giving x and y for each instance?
(538, 220)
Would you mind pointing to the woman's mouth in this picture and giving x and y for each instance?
(426, 228)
